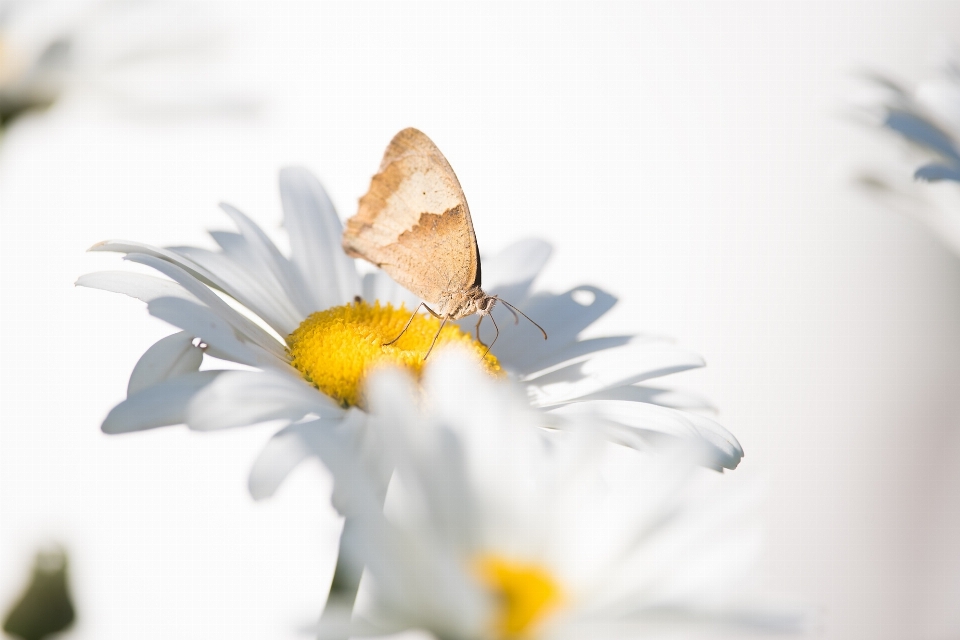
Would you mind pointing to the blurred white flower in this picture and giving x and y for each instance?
(146, 55)
(32, 73)
(506, 522)
(313, 333)
(926, 117)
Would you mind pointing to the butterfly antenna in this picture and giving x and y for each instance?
(435, 339)
(513, 308)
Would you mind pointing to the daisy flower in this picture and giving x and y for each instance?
(506, 522)
(30, 77)
(307, 328)
(144, 54)
(926, 116)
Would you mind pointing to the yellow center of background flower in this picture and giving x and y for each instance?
(335, 349)
(525, 594)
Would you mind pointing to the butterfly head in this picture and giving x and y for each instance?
(460, 304)
(485, 304)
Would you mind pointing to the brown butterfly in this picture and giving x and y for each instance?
(414, 224)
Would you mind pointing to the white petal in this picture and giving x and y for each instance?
(653, 395)
(243, 325)
(135, 285)
(172, 303)
(241, 252)
(637, 424)
(315, 231)
(127, 246)
(631, 363)
(510, 273)
(157, 406)
(379, 287)
(268, 257)
(203, 323)
(345, 435)
(579, 351)
(281, 455)
(240, 398)
(563, 316)
(265, 299)
(170, 357)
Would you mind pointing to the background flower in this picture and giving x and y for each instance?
(142, 55)
(925, 115)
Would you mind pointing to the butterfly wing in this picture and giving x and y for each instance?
(414, 222)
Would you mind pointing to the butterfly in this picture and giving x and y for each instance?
(414, 224)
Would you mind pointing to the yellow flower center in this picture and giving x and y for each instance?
(334, 350)
(525, 594)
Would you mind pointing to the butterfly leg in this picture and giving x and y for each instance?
(497, 335)
(479, 320)
(407, 326)
(445, 318)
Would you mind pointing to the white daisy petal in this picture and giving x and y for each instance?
(243, 253)
(206, 325)
(631, 363)
(392, 393)
(582, 350)
(563, 317)
(243, 325)
(135, 285)
(641, 422)
(653, 395)
(128, 247)
(379, 287)
(161, 405)
(343, 437)
(282, 454)
(315, 229)
(170, 357)
(240, 398)
(245, 286)
(268, 257)
(510, 273)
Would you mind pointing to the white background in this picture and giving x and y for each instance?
(693, 158)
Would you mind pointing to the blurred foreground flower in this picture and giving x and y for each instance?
(144, 54)
(317, 340)
(506, 522)
(45, 607)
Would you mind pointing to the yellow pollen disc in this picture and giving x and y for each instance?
(335, 349)
(525, 594)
